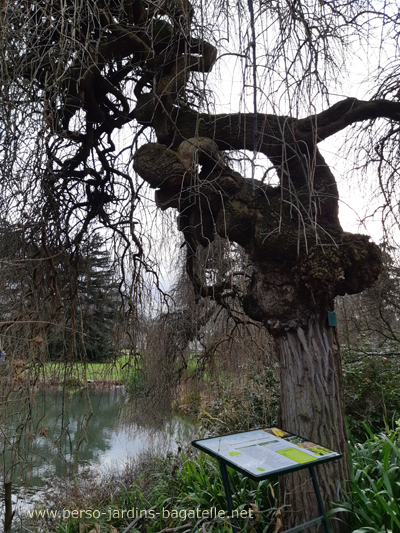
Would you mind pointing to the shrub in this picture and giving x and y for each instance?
(371, 392)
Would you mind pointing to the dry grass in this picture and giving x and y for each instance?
(93, 490)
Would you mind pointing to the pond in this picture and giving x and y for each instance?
(84, 430)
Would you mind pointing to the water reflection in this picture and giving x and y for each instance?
(96, 428)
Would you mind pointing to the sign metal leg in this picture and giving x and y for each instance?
(324, 518)
(228, 494)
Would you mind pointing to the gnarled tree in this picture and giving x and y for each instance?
(83, 70)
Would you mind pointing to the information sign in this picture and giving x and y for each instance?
(263, 452)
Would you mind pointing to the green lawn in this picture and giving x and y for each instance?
(118, 370)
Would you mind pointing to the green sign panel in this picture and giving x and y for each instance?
(332, 320)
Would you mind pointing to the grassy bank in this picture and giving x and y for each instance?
(184, 489)
(179, 487)
(120, 369)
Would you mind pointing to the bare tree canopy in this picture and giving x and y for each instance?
(95, 94)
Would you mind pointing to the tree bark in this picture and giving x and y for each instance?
(312, 407)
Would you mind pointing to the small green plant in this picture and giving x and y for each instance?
(68, 527)
(373, 504)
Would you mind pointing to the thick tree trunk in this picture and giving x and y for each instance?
(297, 270)
(312, 407)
